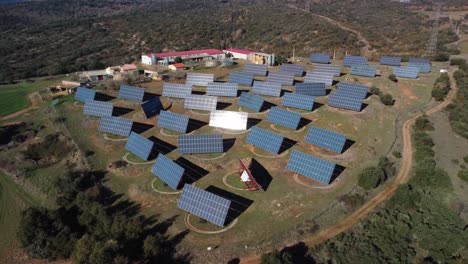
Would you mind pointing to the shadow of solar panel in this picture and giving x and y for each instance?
(312, 89)
(352, 88)
(406, 72)
(152, 107)
(284, 117)
(326, 139)
(292, 69)
(139, 145)
(389, 60)
(345, 102)
(354, 60)
(334, 70)
(176, 90)
(131, 93)
(281, 78)
(200, 79)
(242, 78)
(363, 70)
(207, 143)
(299, 101)
(229, 120)
(250, 101)
(256, 69)
(98, 108)
(267, 88)
(264, 139)
(222, 89)
(420, 60)
(211, 207)
(319, 77)
(201, 102)
(168, 171)
(423, 67)
(116, 125)
(83, 94)
(173, 121)
(320, 58)
(310, 166)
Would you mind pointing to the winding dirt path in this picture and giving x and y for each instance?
(35, 99)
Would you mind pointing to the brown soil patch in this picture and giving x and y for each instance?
(406, 91)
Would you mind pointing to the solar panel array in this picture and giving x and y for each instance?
(168, 171)
(256, 69)
(207, 143)
(152, 107)
(281, 78)
(326, 139)
(299, 101)
(173, 121)
(83, 94)
(335, 70)
(98, 108)
(359, 90)
(310, 166)
(211, 207)
(420, 60)
(176, 90)
(284, 117)
(222, 89)
(292, 69)
(350, 61)
(139, 145)
(201, 102)
(340, 100)
(391, 61)
(229, 120)
(319, 77)
(267, 88)
(363, 70)
(116, 125)
(411, 72)
(312, 89)
(242, 78)
(131, 93)
(423, 67)
(251, 101)
(200, 79)
(265, 139)
(320, 58)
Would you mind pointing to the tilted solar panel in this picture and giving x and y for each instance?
(251, 101)
(168, 171)
(152, 107)
(420, 60)
(320, 58)
(349, 93)
(299, 101)
(281, 78)
(201, 102)
(310, 166)
(335, 70)
(211, 207)
(242, 78)
(83, 94)
(199, 79)
(173, 121)
(391, 61)
(139, 145)
(176, 90)
(207, 143)
(358, 89)
(363, 70)
(229, 120)
(312, 89)
(131, 93)
(222, 89)
(319, 77)
(256, 69)
(265, 139)
(326, 139)
(292, 69)
(423, 67)
(267, 88)
(116, 125)
(98, 108)
(284, 117)
(411, 72)
(350, 60)
(345, 102)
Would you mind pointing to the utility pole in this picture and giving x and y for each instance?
(294, 51)
(307, 6)
(432, 44)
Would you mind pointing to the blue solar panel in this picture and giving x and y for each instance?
(310, 166)
(389, 60)
(319, 77)
(284, 117)
(199, 79)
(131, 93)
(208, 143)
(353, 94)
(139, 145)
(173, 121)
(116, 125)
(334, 70)
(420, 60)
(281, 78)
(265, 139)
(201, 102)
(204, 204)
(299, 101)
(267, 88)
(326, 139)
(152, 107)
(176, 90)
(363, 70)
(345, 102)
(256, 69)
(222, 89)
(320, 58)
(312, 89)
(423, 67)
(242, 78)
(406, 72)
(168, 171)
(250, 101)
(350, 60)
(83, 94)
(98, 108)
(292, 69)
(359, 90)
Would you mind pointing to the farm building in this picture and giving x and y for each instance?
(251, 56)
(177, 67)
(169, 57)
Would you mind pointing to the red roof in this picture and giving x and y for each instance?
(187, 53)
(241, 51)
(128, 67)
(179, 65)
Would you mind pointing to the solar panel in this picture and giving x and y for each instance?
(326, 139)
(131, 93)
(152, 107)
(207, 143)
(363, 70)
(173, 121)
(320, 58)
(350, 60)
(176, 90)
(284, 117)
(423, 67)
(319, 77)
(335, 70)
(256, 69)
(345, 102)
(116, 125)
(265, 139)
(312, 89)
(229, 120)
(251, 101)
(222, 89)
(201, 102)
(310, 166)
(352, 94)
(280, 78)
(211, 207)
(98, 108)
(200, 79)
(242, 78)
(299, 101)
(292, 69)
(420, 60)
(267, 88)
(168, 171)
(389, 60)
(83, 94)
(411, 72)
(139, 145)
(358, 89)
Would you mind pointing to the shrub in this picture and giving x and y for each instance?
(457, 61)
(371, 177)
(386, 99)
(397, 154)
(393, 78)
(375, 90)
(276, 257)
(438, 94)
(441, 57)
(463, 175)
(422, 124)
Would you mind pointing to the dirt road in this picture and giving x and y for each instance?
(35, 100)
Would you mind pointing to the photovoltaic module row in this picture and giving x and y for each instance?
(251, 101)
(344, 101)
(326, 139)
(256, 69)
(364, 70)
(83, 94)
(312, 89)
(176, 90)
(280, 78)
(319, 77)
(350, 61)
(229, 120)
(320, 58)
(201, 143)
(98, 108)
(299, 101)
(391, 61)
(334, 70)
(201, 102)
(173, 121)
(411, 72)
(168, 171)
(116, 125)
(222, 89)
(310, 166)
(242, 78)
(267, 88)
(139, 146)
(152, 107)
(358, 89)
(292, 69)
(265, 139)
(423, 67)
(199, 79)
(131, 93)
(284, 118)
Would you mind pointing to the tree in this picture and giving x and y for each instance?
(153, 247)
(393, 78)
(178, 59)
(371, 177)
(276, 257)
(386, 99)
(375, 90)
(229, 55)
(83, 249)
